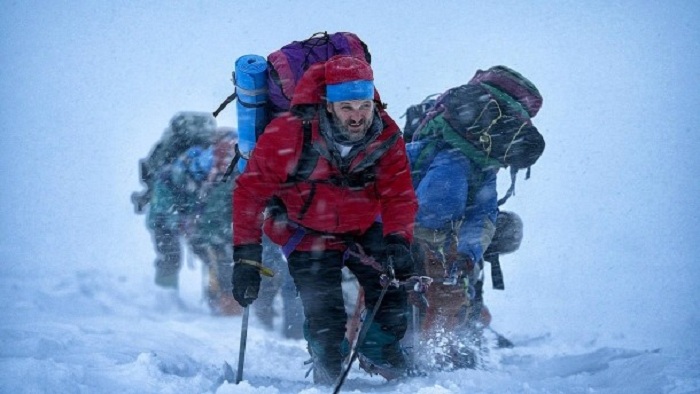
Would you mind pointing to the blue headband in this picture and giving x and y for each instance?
(351, 90)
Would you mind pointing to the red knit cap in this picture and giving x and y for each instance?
(344, 68)
(348, 78)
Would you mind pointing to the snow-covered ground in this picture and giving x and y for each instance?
(88, 332)
(601, 298)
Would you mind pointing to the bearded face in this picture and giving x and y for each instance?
(353, 118)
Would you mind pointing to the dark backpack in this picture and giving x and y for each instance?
(488, 119)
(186, 129)
(414, 115)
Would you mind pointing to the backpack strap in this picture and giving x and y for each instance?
(232, 164)
(496, 272)
(225, 103)
(369, 160)
(308, 158)
(511, 189)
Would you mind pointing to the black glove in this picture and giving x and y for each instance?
(398, 252)
(246, 273)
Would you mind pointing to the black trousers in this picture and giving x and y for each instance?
(318, 277)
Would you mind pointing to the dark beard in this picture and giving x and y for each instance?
(342, 135)
(334, 131)
(330, 131)
(345, 133)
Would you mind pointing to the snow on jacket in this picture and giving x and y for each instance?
(454, 187)
(319, 206)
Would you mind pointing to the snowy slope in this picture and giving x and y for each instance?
(87, 332)
(602, 296)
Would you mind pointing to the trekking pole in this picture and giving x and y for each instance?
(232, 164)
(241, 351)
(363, 331)
(416, 331)
(419, 288)
(244, 324)
(355, 319)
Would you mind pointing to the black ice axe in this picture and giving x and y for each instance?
(228, 375)
(244, 324)
(241, 351)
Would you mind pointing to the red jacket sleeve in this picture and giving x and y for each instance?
(266, 170)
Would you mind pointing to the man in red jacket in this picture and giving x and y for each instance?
(334, 181)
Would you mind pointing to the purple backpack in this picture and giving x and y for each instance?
(288, 64)
(285, 68)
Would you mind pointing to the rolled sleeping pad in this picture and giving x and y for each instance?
(250, 79)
